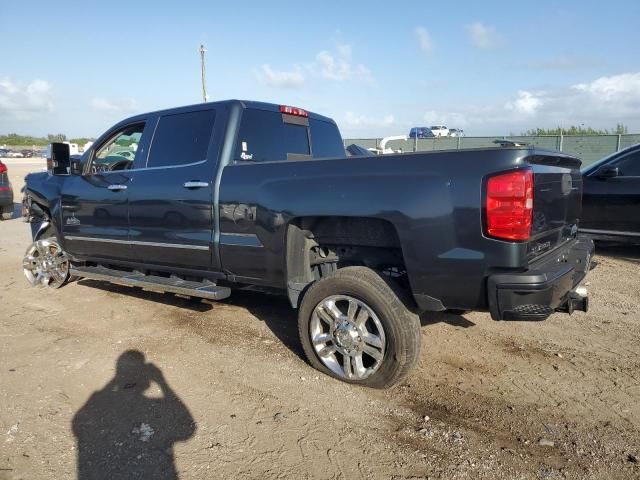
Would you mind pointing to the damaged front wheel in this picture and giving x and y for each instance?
(46, 264)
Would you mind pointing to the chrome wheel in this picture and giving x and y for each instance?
(347, 336)
(45, 264)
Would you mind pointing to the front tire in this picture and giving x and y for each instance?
(354, 327)
(45, 264)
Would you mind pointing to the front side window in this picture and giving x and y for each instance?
(181, 138)
(629, 166)
(119, 152)
(265, 137)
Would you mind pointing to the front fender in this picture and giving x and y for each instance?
(42, 201)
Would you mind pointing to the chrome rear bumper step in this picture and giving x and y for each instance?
(208, 290)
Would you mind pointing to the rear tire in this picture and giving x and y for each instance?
(355, 313)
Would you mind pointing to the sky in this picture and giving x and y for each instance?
(377, 68)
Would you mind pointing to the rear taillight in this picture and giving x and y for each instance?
(3, 168)
(509, 205)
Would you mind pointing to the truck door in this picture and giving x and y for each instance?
(171, 220)
(95, 218)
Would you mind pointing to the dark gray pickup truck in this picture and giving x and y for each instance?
(202, 199)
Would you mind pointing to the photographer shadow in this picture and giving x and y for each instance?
(123, 432)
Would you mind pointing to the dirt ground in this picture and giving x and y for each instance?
(98, 376)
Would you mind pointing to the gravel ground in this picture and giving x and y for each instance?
(101, 378)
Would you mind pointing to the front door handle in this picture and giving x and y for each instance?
(117, 188)
(195, 184)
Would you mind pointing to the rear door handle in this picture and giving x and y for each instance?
(117, 188)
(195, 184)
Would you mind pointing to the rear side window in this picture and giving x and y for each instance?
(325, 139)
(181, 138)
(265, 137)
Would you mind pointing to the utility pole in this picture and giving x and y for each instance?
(203, 68)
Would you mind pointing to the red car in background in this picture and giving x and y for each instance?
(6, 193)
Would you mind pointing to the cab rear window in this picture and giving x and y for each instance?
(266, 136)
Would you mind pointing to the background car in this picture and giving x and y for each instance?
(14, 154)
(3, 152)
(611, 197)
(27, 153)
(456, 132)
(421, 132)
(6, 194)
(440, 131)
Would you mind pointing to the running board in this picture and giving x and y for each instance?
(208, 290)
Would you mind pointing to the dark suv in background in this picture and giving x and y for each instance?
(611, 197)
(6, 193)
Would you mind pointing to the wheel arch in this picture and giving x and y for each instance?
(41, 219)
(317, 246)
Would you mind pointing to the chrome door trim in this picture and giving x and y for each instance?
(137, 242)
(240, 239)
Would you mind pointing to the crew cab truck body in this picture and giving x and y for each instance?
(201, 199)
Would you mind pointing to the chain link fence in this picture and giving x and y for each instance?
(588, 148)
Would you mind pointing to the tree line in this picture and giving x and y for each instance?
(13, 139)
(619, 129)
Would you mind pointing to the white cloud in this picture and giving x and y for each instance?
(625, 86)
(358, 125)
(339, 66)
(526, 103)
(600, 103)
(120, 105)
(280, 78)
(425, 42)
(482, 36)
(335, 65)
(22, 101)
(357, 120)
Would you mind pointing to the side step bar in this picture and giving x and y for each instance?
(208, 290)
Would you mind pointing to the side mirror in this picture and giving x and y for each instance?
(75, 166)
(607, 172)
(58, 158)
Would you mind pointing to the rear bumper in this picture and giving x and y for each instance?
(546, 287)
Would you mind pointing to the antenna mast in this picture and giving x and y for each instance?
(203, 69)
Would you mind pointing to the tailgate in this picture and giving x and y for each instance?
(557, 201)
